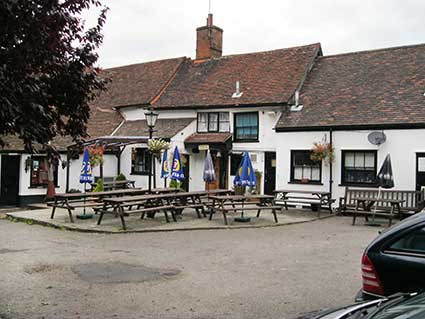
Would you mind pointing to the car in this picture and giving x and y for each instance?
(395, 260)
(398, 306)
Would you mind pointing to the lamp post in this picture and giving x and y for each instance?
(151, 118)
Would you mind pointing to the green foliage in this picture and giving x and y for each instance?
(48, 60)
(175, 184)
(99, 186)
(121, 177)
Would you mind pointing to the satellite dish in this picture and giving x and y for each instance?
(377, 138)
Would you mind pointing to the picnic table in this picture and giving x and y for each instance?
(71, 201)
(173, 202)
(316, 199)
(366, 204)
(235, 203)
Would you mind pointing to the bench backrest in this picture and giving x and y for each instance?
(413, 200)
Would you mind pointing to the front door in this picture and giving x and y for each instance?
(269, 173)
(217, 169)
(185, 162)
(420, 170)
(9, 186)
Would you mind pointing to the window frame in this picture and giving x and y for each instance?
(133, 162)
(55, 173)
(404, 252)
(358, 184)
(239, 140)
(292, 170)
(208, 122)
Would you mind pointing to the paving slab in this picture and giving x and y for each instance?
(187, 221)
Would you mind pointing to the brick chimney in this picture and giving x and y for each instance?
(209, 40)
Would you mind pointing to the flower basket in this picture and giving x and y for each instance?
(96, 155)
(156, 146)
(322, 152)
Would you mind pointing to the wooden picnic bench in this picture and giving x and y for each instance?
(237, 203)
(413, 201)
(316, 199)
(150, 204)
(71, 201)
(365, 207)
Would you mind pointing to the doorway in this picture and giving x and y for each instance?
(186, 163)
(9, 185)
(220, 168)
(420, 171)
(269, 172)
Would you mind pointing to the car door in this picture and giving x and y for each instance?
(401, 264)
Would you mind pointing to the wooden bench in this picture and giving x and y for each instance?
(316, 199)
(224, 210)
(123, 212)
(113, 185)
(413, 201)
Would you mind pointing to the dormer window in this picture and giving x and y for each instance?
(213, 122)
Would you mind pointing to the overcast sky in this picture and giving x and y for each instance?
(141, 30)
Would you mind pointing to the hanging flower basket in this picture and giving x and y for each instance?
(96, 155)
(322, 152)
(156, 146)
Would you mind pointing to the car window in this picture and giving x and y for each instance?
(411, 242)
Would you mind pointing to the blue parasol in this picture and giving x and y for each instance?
(177, 168)
(245, 175)
(165, 169)
(85, 177)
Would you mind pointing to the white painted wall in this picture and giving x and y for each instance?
(401, 144)
(137, 113)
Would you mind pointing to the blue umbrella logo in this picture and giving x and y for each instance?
(245, 175)
(177, 169)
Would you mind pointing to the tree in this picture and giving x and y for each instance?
(47, 69)
(47, 72)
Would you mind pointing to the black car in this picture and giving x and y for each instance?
(395, 261)
(400, 306)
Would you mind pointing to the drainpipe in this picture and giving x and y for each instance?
(330, 163)
(68, 164)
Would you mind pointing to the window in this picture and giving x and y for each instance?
(359, 167)
(303, 169)
(413, 242)
(140, 158)
(213, 122)
(246, 127)
(235, 160)
(39, 172)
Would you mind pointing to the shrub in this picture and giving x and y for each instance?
(121, 177)
(99, 186)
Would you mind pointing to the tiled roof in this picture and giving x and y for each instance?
(208, 138)
(265, 78)
(164, 128)
(380, 87)
(137, 84)
(102, 122)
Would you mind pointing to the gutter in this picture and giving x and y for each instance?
(396, 126)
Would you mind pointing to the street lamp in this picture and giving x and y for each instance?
(151, 118)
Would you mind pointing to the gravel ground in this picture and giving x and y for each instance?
(245, 273)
